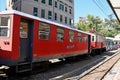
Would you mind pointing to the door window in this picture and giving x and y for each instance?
(23, 30)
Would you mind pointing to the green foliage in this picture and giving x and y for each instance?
(82, 26)
(97, 24)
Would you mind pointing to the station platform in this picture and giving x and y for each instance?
(114, 73)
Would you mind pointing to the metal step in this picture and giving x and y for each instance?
(23, 67)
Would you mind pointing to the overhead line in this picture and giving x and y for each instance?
(102, 4)
(100, 8)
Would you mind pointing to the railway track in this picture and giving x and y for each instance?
(66, 70)
(99, 71)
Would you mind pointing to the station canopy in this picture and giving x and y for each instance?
(115, 5)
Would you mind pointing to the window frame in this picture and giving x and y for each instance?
(62, 33)
(79, 37)
(43, 1)
(35, 11)
(42, 13)
(8, 27)
(56, 4)
(47, 33)
(55, 17)
(71, 36)
(85, 38)
(50, 2)
(50, 15)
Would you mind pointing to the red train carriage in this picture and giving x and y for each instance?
(26, 39)
(98, 42)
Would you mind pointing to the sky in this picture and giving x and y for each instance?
(98, 8)
(83, 7)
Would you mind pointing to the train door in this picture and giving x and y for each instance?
(26, 32)
(89, 44)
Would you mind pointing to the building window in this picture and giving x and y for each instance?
(36, 0)
(65, 9)
(35, 12)
(56, 4)
(49, 14)
(42, 13)
(4, 26)
(14, 1)
(44, 31)
(60, 35)
(55, 16)
(43, 1)
(61, 7)
(16, 8)
(66, 20)
(71, 36)
(70, 21)
(60, 18)
(50, 2)
(71, 1)
(79, 37)
(70, 11)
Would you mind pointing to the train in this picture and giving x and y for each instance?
(26, 39)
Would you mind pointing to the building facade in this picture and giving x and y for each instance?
(57, 10)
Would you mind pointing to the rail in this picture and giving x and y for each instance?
(68, 76)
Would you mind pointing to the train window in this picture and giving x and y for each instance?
(4, 26)
(79, 37)
(60, 35)
(71, 36)
(23, 29)
(44, 31)
(92, 38)
(86, 38)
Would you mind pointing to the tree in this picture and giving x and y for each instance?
(83, 26)
(92, 23)
(108, 27)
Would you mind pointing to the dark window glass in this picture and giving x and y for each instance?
(70, 21)
(65, 9)
(66, 20)
(43, 1)
(56, 4)
(42, 13)
(3, 31)
(50, 2)
(61, 7)
(36, 0)
(60, 35)
(92, 38)
(35, 12)
(60, 18)
(71, 36)
(44, 31)
(71, 1)
(49, 14)
(55, 16)
(70, 11)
